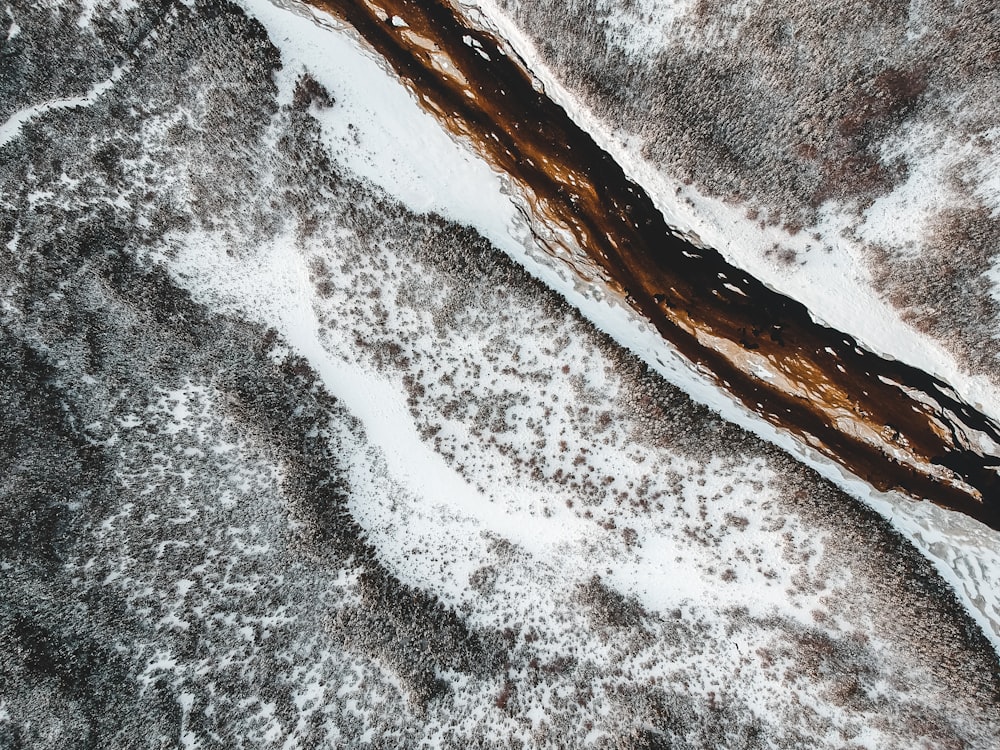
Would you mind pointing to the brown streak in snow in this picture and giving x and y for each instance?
(892, 425)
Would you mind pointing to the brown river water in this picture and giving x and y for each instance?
(894, 426)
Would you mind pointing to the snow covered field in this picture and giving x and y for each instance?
(335, 471)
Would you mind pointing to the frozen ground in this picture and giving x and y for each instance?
(293, 462)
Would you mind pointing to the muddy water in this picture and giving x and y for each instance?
(892, 425)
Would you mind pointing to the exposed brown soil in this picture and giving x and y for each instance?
(893, 425)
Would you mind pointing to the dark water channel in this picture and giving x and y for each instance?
(892, 425)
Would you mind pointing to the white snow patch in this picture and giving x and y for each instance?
(89, 6)
(12, 128)
(993, 277)
(377, 129)
(986, 174)
(276, 291)
(644, 27)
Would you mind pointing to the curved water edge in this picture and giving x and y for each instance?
(893, 425)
